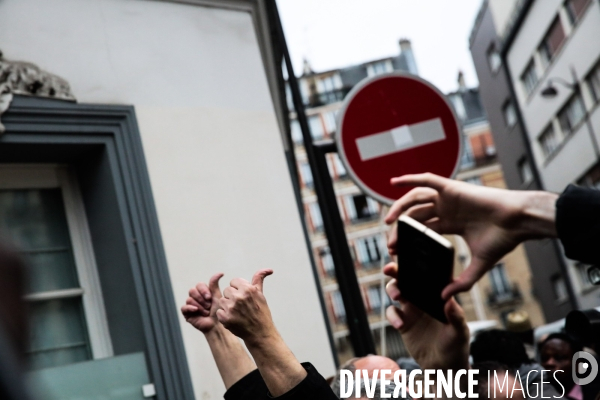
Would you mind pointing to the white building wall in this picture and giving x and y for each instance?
(211, 140)
(580, 53)
(502, 11)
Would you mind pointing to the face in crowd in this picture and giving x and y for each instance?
(557, 354)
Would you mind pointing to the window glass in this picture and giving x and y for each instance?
(316, 127)
(593, 82)
(575, 9)
(327, 261)
(583, 275)
(529, 77)
(494, 59)
(560, 289)
(306, 174)
(339, 166)
(467, 159)
(330, 124)
(571, 114)
(379, 67)
(552, 42)
(525, 170)
(499, 279)
(339, 311)
(296, 132)
(548, 141)
(510, 114)
(360, 207)
(369, 251)
(315, 216)
(374, 295)
(35, 220)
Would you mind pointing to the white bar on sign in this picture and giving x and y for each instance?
(401, 138)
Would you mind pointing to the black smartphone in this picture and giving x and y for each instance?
(425, 263)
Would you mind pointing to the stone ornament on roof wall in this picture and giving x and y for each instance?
(18, 77)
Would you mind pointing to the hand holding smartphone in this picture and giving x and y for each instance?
(425, 263)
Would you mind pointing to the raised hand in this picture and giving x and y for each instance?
(244, 310)
(492, 221)
(200, 308)
(433, 344)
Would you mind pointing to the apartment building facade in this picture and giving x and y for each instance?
(551, 280)
(538, 71)
(508, 287)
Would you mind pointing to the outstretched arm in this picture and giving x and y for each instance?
(492, 221)
(244, 311)
(200, 311)
(433, 344)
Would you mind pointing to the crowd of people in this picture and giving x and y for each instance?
(492, 222)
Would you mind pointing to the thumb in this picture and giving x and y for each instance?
(467, 279)
(213, 285)
(259, 277)
(456, 316)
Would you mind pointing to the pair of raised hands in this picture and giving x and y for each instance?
(492, 222)
(241, 307)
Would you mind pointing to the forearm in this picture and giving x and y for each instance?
(537, 215)
(232, 359)
(277, 364)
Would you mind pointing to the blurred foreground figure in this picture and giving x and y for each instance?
(13, 325)
(494, 221)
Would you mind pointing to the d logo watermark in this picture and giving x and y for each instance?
(585, 368)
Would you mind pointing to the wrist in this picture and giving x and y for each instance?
(537, 215)
(260, 340)
(215, 333)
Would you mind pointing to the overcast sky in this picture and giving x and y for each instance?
(337, 33)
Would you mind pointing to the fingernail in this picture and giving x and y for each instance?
(397, 324)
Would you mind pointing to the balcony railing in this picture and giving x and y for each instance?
(321, 99)
(497, 298)
(364, 218)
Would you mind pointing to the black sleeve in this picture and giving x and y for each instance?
(578, 223)
(250, 387)
(313, 387)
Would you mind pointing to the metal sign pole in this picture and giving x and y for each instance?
(356, 315)
(358, 323)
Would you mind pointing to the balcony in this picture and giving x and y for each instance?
(321, 99)
(364, 218)
(497, 298)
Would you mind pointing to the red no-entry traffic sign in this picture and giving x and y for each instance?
(396, 124)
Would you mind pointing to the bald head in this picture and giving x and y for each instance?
(371, 363)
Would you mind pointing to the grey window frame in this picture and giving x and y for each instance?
(52, 131)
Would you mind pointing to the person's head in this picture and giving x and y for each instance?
(556, 355)
(13, 315)
(499, 346)
(369, 363)
(500, 384)
(372, 362)
(519, 323)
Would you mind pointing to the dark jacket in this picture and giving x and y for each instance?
(252, 387)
